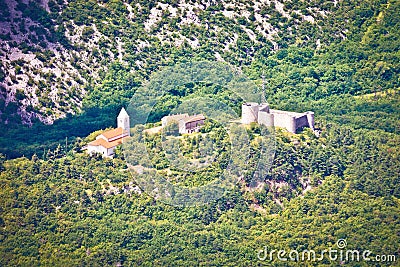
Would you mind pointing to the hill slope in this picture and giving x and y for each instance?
(55, 54)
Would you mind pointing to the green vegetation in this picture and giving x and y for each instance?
(319, 58)
(299, 76)
(73, 209)
(62, 207)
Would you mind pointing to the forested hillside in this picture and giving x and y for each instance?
(72, 209)
(67, 68)
(59, 58)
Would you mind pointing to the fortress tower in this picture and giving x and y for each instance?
(264, 116)
(249, 112)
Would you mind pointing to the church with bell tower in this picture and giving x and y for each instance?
(107, 141)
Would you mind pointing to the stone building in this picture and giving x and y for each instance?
(262, 114)
(191, 124)
(187, 124)
(171, 118)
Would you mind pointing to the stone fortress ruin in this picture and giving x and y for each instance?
(262, 114)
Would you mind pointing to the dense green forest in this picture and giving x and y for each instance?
(74, 209)
(62, 207)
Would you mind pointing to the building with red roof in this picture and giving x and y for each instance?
(107, 141)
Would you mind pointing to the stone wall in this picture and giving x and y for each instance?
(266, 119)
(310, 119)
(284, 119)
(301, 121)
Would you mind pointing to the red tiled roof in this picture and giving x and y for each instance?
(106, 144)
(110, 134)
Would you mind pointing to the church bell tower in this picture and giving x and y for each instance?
(123, 121)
